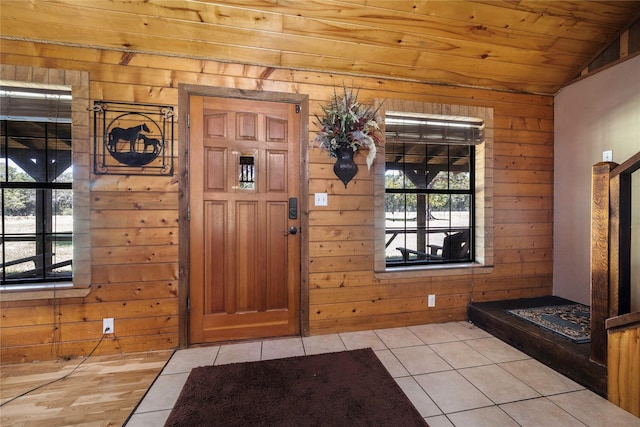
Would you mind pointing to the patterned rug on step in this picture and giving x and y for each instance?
(571, 321)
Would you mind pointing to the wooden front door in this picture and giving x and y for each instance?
(244, 268)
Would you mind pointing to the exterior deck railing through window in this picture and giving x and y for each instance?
(39, 267)
(443, 245)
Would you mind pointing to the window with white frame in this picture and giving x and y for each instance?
(430, 188)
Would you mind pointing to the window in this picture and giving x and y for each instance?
(429, 188)
(247, 172)
(36, 184)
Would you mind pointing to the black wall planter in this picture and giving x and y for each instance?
(345, 168)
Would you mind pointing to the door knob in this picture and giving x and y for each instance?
(293, 230)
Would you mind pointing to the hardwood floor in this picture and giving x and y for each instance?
(103, 391)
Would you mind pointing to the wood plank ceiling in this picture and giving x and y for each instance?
(532, 46)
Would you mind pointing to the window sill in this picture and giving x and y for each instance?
(9, 293)
(434, 270)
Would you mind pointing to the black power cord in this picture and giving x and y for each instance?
(58, 379)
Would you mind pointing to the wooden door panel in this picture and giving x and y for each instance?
(276, 170)
(216, 169)
(248, 246)
(276, 130)
(247, 126)
(276, 256)
(216, 125)
(264, 324)
(215, 228)
(245, 266)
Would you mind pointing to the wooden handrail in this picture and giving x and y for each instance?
(631, 165)
(610, 248)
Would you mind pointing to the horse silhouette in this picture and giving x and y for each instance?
(130, 135)
(155, 144)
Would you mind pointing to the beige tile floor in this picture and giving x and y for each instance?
(454, 373)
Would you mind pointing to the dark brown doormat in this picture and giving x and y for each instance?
(349, 388)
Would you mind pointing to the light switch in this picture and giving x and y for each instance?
(607, 156)
(321, 199)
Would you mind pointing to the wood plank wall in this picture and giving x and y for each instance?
(134, 220)
(623, 338)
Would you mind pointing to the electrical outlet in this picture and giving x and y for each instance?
(432, 300)
(107, 325)
(321, 199)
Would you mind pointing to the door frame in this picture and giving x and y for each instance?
(185, 92)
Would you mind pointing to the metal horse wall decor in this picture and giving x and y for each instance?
(133, 139)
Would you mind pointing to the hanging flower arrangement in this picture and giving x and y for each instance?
(347, 123)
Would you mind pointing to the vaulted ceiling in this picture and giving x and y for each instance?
(534, 46)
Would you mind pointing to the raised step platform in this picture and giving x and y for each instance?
(562, 355)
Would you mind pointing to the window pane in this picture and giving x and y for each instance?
(62, 210)
(13, 173)
(19, 242)
(36, 153)
(439, 180)
(247, 175)
(460, 181)
(19, 201)
(393, 179)
(30, 156)
(65, 176)
(403, 178)
(460, 167)
(460, 210)
(395, 219)
(437, 164)
(19, 210)
(19, 257)
(439, 205)
(60, 239)
(37, 237)
(62, 256)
